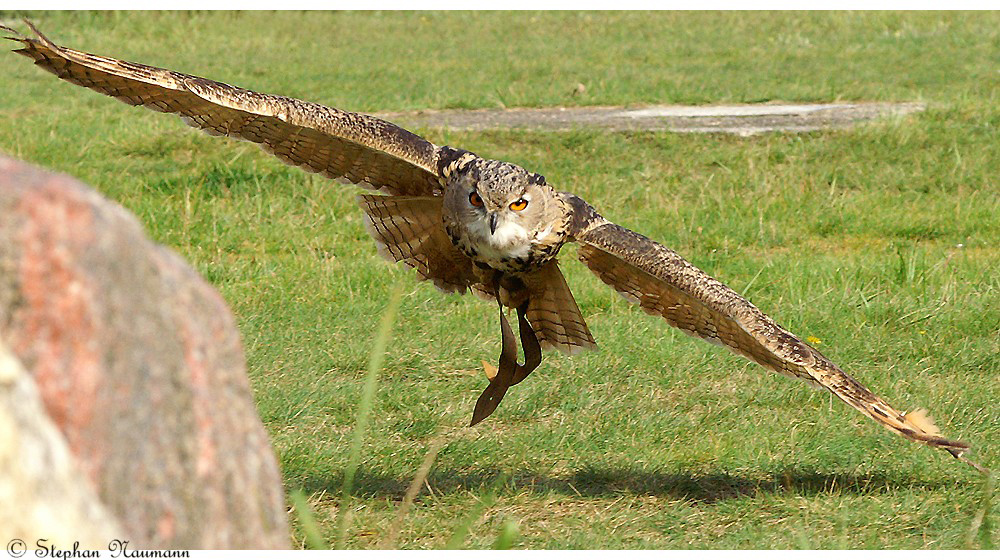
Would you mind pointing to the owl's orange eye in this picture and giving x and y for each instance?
(475, 200)
(518, 205)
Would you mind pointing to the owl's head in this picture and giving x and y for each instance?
(500, 205)
(503, 193)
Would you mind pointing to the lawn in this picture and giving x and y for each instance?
(881, 242)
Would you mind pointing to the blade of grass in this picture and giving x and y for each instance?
(411, 493)
(457, 539)
(982, 526)
(314, 538)
(377, 357)
(508, 534)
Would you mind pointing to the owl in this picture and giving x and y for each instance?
(472, 224)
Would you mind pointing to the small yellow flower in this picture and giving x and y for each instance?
(813, 340)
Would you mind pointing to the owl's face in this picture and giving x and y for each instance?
(502, 209)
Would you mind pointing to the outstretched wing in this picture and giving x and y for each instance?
(338, 144)
(665, 284)
(409, 229)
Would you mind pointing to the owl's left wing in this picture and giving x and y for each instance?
(338, 144)
(665, 284)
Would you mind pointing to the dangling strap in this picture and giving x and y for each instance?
(509, 372)
(529, 344)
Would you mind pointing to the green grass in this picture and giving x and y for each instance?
(881, 241)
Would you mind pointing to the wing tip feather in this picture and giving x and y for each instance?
(922, 419)
(919, 426)
(22, 38)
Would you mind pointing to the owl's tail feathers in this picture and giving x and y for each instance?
(554, 314)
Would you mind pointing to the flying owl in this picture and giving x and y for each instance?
(467, 223)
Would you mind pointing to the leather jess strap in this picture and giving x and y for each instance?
(509, 372)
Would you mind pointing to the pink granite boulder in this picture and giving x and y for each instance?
(139, 364)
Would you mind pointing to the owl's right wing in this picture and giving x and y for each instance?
(410, 230)
(338, 144)
(665, 284)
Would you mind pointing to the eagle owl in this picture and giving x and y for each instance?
(472, 224)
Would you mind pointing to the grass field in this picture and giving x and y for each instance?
(882, 242)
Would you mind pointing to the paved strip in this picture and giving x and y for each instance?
(733, 119)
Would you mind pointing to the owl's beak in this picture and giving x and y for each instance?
(493, 223)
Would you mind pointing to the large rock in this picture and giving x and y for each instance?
(43, 492)
(139, 364)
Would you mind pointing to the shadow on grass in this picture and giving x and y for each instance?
(597, 482)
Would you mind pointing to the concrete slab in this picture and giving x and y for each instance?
(732, 119)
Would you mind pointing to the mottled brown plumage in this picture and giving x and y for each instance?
(468, 223)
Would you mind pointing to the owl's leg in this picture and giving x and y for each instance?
(509, 372)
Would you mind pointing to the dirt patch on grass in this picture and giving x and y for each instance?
(733, 119)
